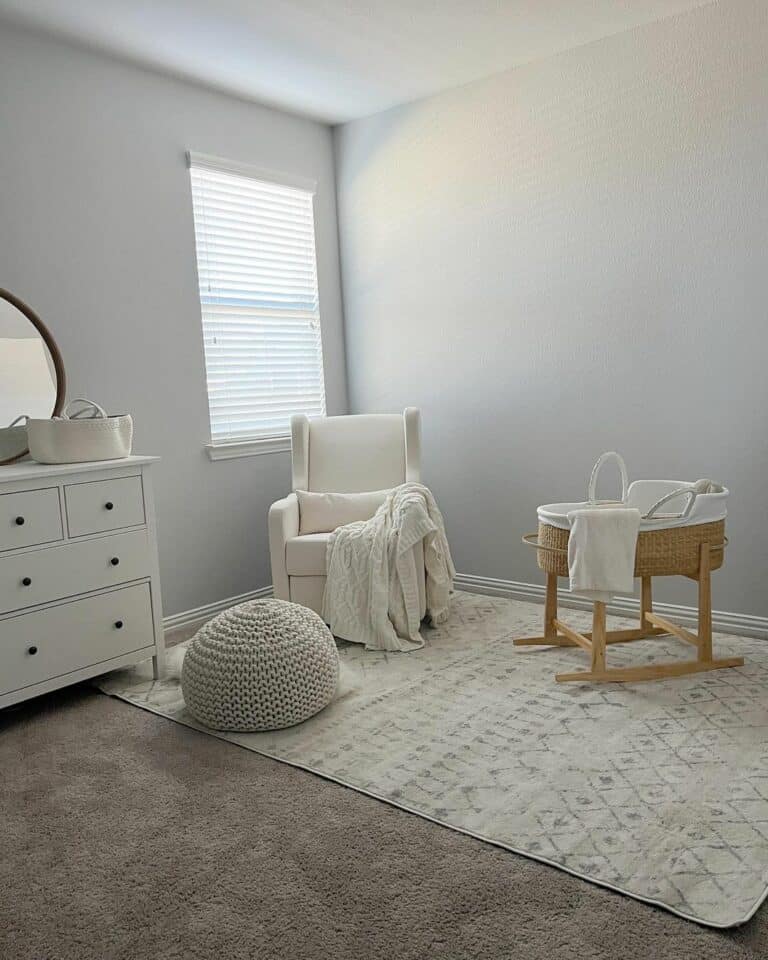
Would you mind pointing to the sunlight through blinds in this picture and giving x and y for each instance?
(258, 296)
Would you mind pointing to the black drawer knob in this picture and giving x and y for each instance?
(114, 561)
(32, 651)
(19, 521)
(109, 505)
(118, 624)
(27, 582)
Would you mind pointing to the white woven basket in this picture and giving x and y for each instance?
(79, 436)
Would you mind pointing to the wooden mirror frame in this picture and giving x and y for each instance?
(53, 349)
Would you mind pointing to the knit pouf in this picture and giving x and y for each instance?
(262, 665)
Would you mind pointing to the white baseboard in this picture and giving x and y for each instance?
(742, 624)
(190, 618)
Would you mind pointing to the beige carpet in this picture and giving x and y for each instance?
(127, 837)
(657, 790)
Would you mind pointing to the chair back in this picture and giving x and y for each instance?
(355, 453)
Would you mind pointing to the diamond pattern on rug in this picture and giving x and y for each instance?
(658, 790)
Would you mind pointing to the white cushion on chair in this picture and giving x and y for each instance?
(323, 512)
(305, 555)
(308, 591)
(306, 570)
(359, 452)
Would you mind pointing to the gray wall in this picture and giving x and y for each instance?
(569, 258)
(96, 234)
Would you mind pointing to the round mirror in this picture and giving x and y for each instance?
(32, 381)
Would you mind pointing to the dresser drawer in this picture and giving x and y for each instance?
(29, 518)
(103, 505)
(40, 576)
(50, 643)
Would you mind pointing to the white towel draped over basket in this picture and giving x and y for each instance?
(601, 551)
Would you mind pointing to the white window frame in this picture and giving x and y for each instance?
(231, 449)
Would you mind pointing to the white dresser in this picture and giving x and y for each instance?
(79, 582)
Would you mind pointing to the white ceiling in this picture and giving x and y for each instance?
(336, 59)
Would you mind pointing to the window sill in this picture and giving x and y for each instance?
(247, 448)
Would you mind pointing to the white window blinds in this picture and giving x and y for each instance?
(258, 296)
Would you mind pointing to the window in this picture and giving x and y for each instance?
(257, 271)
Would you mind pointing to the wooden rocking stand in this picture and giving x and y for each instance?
(559, 634)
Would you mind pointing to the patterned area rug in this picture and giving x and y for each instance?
(657, 790)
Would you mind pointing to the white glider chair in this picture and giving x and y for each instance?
(352, 454)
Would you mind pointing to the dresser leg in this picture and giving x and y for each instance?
(158, 665)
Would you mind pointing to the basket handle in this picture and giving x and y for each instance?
(681, 491)
(90, 411)
(608, 455)
(529, 541)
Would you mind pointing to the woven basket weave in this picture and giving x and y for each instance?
(660, 553)
(262, 665)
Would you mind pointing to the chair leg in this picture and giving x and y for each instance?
(550, 608)
(598, 637)
(551, 637)
(705, 605)
(646, 603)
(651, 624)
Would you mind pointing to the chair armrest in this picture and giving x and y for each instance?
(283, 524)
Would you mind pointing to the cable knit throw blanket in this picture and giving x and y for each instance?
(371, 592)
